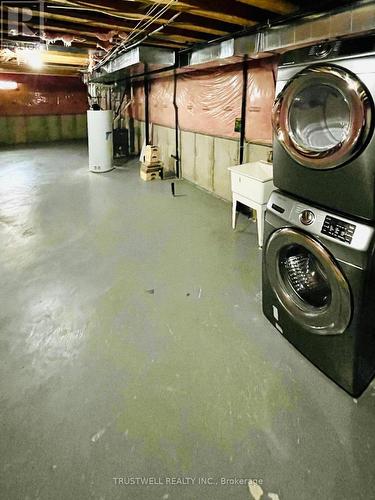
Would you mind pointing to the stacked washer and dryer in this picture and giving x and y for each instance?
(319, 252)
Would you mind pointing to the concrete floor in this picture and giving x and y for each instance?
(133, 345)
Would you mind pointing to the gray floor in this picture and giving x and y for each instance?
(133, 345)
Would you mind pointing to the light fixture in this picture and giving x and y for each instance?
(8, 85)
(31, 57)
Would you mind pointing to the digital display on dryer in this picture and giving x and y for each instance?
(338, 229)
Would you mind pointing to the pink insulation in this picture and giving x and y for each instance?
(161, 108)
(66, 38)
(209, 102)
(43, 95)
(260, 97)
(137, 109)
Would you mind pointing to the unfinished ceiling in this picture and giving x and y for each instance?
(77, 28)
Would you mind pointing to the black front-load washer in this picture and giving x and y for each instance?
(318, 287)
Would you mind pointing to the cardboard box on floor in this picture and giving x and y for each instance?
(151, 155)
(149, 173)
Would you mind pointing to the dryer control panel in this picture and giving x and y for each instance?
(338, 49)
(338, 229)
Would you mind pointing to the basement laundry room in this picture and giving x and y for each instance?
(187, 250)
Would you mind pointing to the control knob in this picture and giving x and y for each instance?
(322, 50)
(307, 217)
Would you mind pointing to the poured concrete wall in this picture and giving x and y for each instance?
(43, 128)
(204, 158)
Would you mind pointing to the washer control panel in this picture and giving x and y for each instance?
(338, 229)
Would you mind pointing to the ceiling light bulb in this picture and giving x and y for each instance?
(8, 85)
(32, 57)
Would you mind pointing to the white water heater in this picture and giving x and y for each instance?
(100, 138)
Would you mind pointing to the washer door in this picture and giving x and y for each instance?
(308, 282)
(322, 117)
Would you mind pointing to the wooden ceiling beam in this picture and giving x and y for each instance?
(12, 41)
(108, 21)
(65, 58)
(53, 58)
(281, 7)
(190, 26)
(87, 31)
(71, 25)
(191, 36)
(220, 10)
(53, 70)
(198, 20)
(132, 10)
(184, 21)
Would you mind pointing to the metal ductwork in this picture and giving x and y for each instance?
(350, 21)
(247, 45)
(358, 19)
(215, 54)
(135, 62)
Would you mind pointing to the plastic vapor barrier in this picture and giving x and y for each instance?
(209, 102)
(43, 95)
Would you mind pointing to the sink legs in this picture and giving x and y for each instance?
(260, 210)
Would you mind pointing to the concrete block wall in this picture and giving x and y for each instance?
(43, 128)
(204, 159)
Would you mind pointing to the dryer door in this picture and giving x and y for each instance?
(308, 282)
(322, 117)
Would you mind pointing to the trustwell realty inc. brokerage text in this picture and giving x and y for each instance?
(185, 481)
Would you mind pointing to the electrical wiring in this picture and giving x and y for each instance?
(148, 13)
(78, 7)
(157, 16)
(153, 32)
(125, 44)
(147, 24)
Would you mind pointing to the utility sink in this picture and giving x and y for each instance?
(253, 180)
(252, 184)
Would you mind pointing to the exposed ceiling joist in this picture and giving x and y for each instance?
(107, 20)
(170, 23)
(276, 6)
(88, 11)
(91, 33)
(69, 21)
(222, 10)
(50, 69)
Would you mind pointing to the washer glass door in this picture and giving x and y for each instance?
(308, 282)
(322, 117)
(304, 276)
